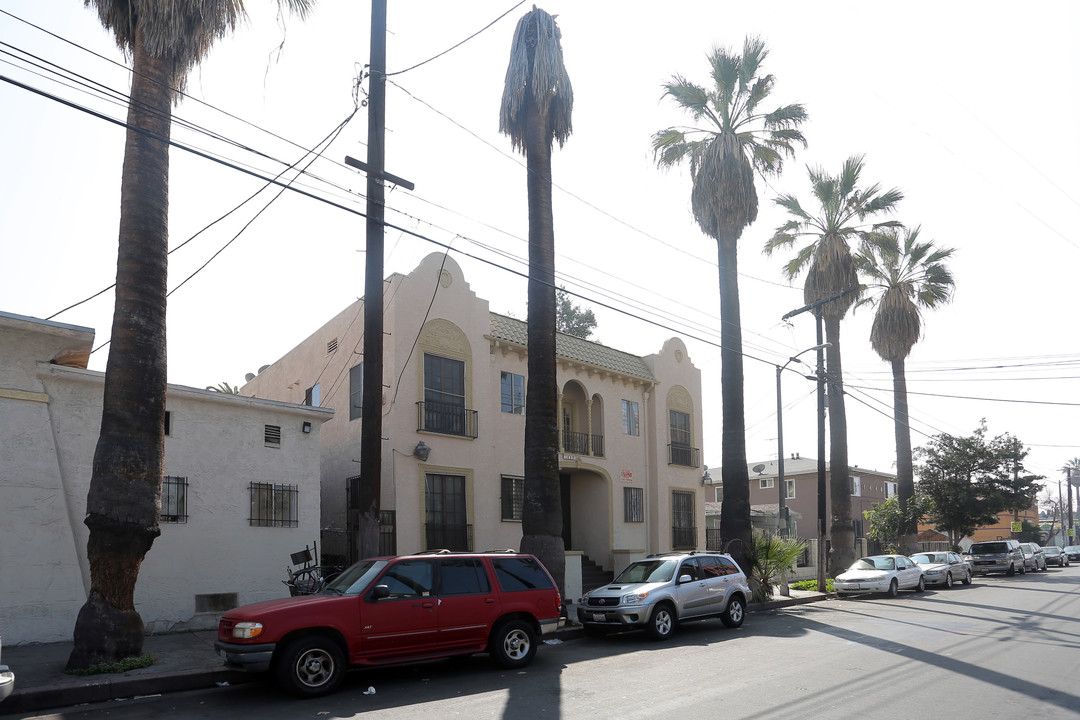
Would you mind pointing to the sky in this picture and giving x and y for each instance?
(967, 107)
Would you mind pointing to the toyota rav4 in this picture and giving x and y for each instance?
(396, 609)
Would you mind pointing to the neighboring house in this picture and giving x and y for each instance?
(999, 530)
(241, 491)
(454, 422)
(868, 489)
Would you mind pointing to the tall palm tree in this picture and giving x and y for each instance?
(736, 138)
(904, 275)
(843, 208)
(537, 103)
(165, 40)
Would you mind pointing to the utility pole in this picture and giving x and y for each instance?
(371, 413)
(1070, 534)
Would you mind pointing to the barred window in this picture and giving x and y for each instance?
(633, 504)
(513, 497)
(274, 505)
(173, 500)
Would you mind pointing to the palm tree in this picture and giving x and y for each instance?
(165, 40)
(537, 103)
(737, 139)
(830, 270)
(904, 276)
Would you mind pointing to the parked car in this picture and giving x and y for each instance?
(7, 682)
(396, 609)
(660, 591)
(1034, 560)
(1072, 552)
(880, 574)
(997, 556)
(1055, 556)
(943, 568)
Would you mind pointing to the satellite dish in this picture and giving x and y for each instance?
(249, 377)
(263, 368)
(758, 468)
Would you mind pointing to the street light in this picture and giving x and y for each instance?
(781, 491)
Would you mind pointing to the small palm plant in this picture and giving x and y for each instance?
(771, 557)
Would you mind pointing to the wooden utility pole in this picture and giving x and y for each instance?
(371, 413)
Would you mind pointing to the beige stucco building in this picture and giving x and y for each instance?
(241, 491)
(454, 381)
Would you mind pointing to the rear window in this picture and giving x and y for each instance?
(521, 573)
(989, 548)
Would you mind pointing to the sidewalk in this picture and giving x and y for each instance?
(182, 661)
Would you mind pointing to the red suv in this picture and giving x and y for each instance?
(396, 609)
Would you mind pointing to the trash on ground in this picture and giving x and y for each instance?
(370, 691)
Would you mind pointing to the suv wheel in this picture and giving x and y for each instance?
(311, 666)
(661, 622)
(513, 644)
(1011, 571)
(734, 613)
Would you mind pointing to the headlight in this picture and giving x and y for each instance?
(247, 630)
(634, 598)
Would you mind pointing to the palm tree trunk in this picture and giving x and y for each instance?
(541, 524)
(842, 550)
(125, 485)
(735, 529)
(905, 475)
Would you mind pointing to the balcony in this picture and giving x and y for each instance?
(583, 444)
(446, 419)
(684, 455)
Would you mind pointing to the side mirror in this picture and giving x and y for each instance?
(685, 579)
(379, 592)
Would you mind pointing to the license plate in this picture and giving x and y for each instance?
(599, 617)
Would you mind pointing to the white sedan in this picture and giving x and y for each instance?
(880, 574)
(943, 568)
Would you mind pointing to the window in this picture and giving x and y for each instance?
(174, 500)
(168, 423)
(680, 452)
(408, 580)
(513, 497)
(790, 494)
(356, 391)
(766, 483)
(273, 505)
(633, 504)
(630, 417)
(513, 393)
(444, 395)
(683, 532)
(856, 486)
(444, 501)
(890, 489)
(520, 573)
(311, 396)
(272, 435)
(463, 576)
(719, 490)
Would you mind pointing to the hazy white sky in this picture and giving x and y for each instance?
(968, 107)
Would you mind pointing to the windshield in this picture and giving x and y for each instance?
(1051, 550)
(874, 563)
(356, 578)
(930, 558)
(647, 571)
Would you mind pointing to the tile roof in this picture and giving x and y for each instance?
(573, 348)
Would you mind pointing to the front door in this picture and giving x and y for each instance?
(404, 624)
(564, 492)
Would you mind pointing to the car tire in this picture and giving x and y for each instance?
(311, 666)
(1011, 571)
(921, 587)
(894, 588)
(513, 644)
(948, 580)
(661, 622)
(734, 613)
(967, 579)
(1023, 569)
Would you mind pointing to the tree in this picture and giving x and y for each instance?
(737, 139)
(224, 387)
(771, 558)
(537, 103)
(890, 521)
(903, 276)
(972, 479)
(572, 319)
(164, 40)
(843, 207)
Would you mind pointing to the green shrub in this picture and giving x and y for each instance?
(771, 557)
(130, 663)
(811, 585)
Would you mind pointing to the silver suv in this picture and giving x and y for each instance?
(997, 556)
(662, 590)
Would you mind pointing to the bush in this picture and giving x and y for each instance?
(812, 585)
(771, 557)
(130, 663)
